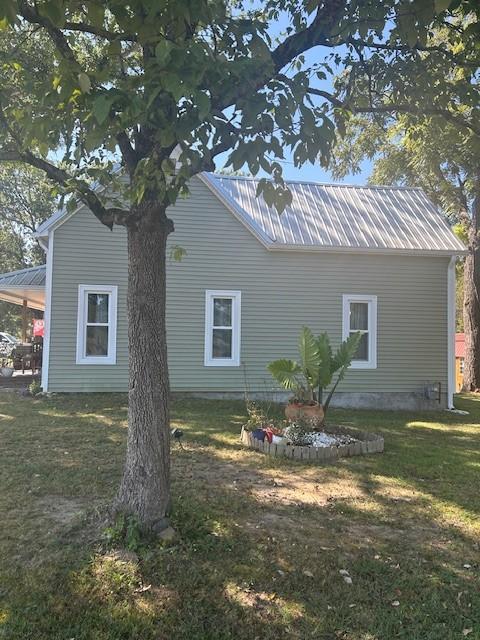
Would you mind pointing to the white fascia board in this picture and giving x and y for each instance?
(451, 307)
(441, 253)
(237, 211)
(47, 314)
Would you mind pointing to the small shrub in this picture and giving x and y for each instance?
(125, 531)
(298, 434)
(34, 388)
(256, 417)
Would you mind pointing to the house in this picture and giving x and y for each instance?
(339, 259)
(459, 360)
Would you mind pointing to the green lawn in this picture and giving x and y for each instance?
(261, 542)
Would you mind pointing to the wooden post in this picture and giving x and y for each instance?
(24, 321)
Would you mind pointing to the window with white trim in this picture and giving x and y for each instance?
(97, 324)
(360, 315)
(222, 328)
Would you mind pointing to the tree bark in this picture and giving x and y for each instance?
(471, 301)
(145, 487)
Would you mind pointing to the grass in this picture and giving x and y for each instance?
(261, 541)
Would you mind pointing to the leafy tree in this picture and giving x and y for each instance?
(443, 159)
(25, 201)
(11, 258)
(148, 82)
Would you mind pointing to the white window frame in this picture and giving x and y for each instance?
(348, 298)
(236, 296)
(83, 291)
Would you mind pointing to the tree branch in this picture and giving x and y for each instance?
(317, 33)
(107, 216)
(98, 31)
(417, 47)
(130, 155)
(397, 108)
(58, 38)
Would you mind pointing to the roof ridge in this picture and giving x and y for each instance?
(340, 185)
(14, 273)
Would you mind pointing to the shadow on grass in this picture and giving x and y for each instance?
(246, 564)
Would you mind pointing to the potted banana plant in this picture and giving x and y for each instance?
(317, 369)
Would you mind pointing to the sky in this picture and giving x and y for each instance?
(309, 172)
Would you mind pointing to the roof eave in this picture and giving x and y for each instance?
(368, 250)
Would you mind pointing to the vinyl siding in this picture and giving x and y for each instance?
(281, 291)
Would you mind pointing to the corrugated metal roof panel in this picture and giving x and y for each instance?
(344, 216)
(32, 277)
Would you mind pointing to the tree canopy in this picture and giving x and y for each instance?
(134, 81)
(165, 87)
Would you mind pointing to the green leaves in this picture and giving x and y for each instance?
(54, 10)
(101, 107)
(317, 365)
(309, 355)
(345, 352)
(325, 354)
(286, 373)
(84, 82)
(442, 5)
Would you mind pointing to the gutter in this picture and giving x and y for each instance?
(451, 305)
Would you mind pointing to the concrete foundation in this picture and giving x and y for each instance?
(393, 401)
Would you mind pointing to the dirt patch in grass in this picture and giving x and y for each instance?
(63, 511)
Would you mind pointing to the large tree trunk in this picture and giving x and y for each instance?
(471, 302)
(145, 488)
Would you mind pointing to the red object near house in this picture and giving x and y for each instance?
(38, 328)
(460, 345)
(459, 360)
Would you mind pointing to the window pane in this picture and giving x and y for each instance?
(362, 351)
(97, 308)
(222, 343)
(222, 312)
(97, 341)
(358, 316)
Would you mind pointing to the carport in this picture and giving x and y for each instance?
(25, 288)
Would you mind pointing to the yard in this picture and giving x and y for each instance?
(261, 542)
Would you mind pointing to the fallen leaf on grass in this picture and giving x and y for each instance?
(466, 632)
(395, 603)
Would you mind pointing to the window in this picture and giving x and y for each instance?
(97, 324)
(462, 365)
(360, 315)
(222, 328)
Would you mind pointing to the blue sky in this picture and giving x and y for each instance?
(310, 172)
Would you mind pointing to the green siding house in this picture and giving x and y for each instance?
(340, 258)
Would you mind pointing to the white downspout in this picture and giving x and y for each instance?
(451, 305)
(48, 313)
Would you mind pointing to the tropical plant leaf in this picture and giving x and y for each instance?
(309, 356)
(345, 352)
(286, 373)
(325, 354)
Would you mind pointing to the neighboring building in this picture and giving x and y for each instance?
(459, 360)
(340, 258)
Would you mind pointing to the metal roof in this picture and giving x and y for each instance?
(350, 217)
(25, 278)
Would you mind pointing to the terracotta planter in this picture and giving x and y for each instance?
(312, 414)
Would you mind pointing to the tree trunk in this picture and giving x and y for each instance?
(471, 301)
(145, 488)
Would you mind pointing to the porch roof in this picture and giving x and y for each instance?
(25, 284)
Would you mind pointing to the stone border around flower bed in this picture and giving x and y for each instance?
(369, 443)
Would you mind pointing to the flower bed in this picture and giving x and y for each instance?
(348, 442)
